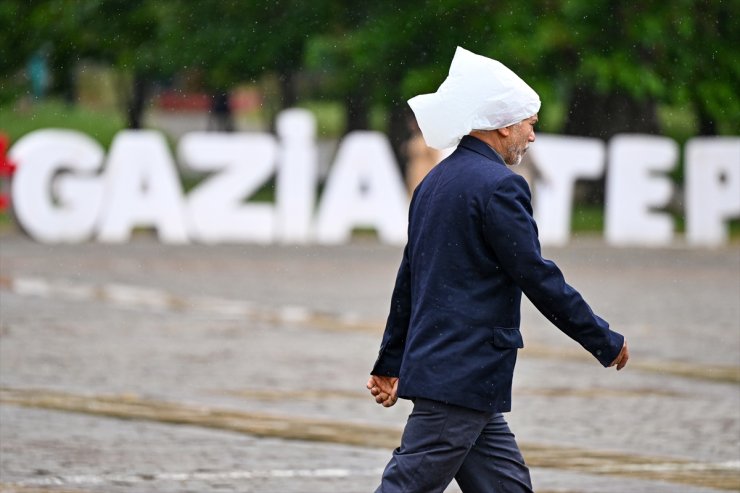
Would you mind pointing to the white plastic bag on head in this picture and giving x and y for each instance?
(479, 94)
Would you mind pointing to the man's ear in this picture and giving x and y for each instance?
(504, 132)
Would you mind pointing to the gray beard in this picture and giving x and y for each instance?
(517, 162)
(518, 158)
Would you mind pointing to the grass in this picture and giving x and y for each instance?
(587, 219)
(7, 223)
(590, 219)
(20, 119)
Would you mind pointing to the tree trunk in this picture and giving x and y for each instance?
(707, 125)
(401, 122)
(221, 117)
(137, 101)
(357, 111)
(287, 89)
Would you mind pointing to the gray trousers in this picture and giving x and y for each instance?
(442, 441)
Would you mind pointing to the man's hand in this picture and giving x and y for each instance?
(384, 389)
(622, 358)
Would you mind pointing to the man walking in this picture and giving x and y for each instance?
(452, 335)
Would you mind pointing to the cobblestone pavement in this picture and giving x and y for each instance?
(153, 368)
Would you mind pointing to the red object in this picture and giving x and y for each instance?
(180, 101)
(7, 168)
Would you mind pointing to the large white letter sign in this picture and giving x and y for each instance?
(712, 188)
(364, 189)
(297, 175)
(43, 157)
(561, 161)
(142, 189)
(244, 163)
(632, 190)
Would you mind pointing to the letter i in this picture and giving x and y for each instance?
(297, 175)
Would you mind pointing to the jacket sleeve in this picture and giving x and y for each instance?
(511, 231)
(394, 338)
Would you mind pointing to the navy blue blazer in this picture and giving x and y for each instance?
(453, 330)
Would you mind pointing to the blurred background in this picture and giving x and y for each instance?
(600, 67)
(150, 367)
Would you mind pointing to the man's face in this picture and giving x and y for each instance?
(521, 135)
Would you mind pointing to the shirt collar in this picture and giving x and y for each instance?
(476, 145)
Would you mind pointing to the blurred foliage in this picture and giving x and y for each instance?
(610, 65)
(100, 125)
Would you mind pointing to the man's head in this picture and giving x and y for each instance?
(479, 94)
(510, 142)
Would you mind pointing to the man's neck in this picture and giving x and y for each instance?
(489, 138)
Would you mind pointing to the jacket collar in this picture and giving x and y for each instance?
(477, 145)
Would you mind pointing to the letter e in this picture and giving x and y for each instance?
(633, 190)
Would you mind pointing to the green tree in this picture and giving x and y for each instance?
(700, 65)
(610, 64)
(24, 33)
(395, 50)
(601, 67)
(231, 41)
(123, 33)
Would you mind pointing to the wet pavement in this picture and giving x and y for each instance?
(154, 368)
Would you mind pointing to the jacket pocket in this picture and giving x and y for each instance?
(507, 338)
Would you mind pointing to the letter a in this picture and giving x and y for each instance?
(364, 189)
(142, 189)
